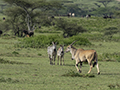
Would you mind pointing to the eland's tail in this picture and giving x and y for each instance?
(95, 59)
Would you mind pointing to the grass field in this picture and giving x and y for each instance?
(29, 69)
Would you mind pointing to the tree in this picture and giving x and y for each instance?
(69, 29)
(105, 2)
(16, 18)
(2, 6)
(73, 8)
(97, 5)
(28, 11)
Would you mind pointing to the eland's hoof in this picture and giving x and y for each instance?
(80, 71)
(98, 73)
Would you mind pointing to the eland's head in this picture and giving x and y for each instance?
(69, 47)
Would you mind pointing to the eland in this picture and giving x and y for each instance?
(60, 55)
(52, 52)
(81, 55)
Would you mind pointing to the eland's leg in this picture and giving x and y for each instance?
(97, 69)
(80, 66)
(90, 67)
(77, 67)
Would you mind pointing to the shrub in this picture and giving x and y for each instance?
(111, 30)
(14, 52)
(44, 41)
(69, 28)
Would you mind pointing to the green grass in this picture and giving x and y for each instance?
(29, 69)
(95, 23)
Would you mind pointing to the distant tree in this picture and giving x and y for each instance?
(69, 29)
(2, 6)
(103, 11)
(28, 11)
(117, 13)
(97, 5)
(105, 2)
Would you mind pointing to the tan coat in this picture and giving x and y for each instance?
(81, 55)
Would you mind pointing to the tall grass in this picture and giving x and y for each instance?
(109, 57)
(35, 73)
(96, 23)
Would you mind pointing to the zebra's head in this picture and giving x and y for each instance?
(54, 46)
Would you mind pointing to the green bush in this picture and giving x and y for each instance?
(111, 30)
(109, 57)
(44, 41)
(14, 52)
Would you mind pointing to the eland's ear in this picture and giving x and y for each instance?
(55, 43)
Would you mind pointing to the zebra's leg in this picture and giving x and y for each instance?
(54, 60)
(58, 61)
(50, 60)
(63, 60)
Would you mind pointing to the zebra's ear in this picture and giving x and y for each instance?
(52, 42)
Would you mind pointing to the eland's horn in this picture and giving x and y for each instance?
(73, 42)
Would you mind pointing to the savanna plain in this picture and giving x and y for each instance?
(26, 68)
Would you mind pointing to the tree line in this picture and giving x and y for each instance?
(29, 15)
